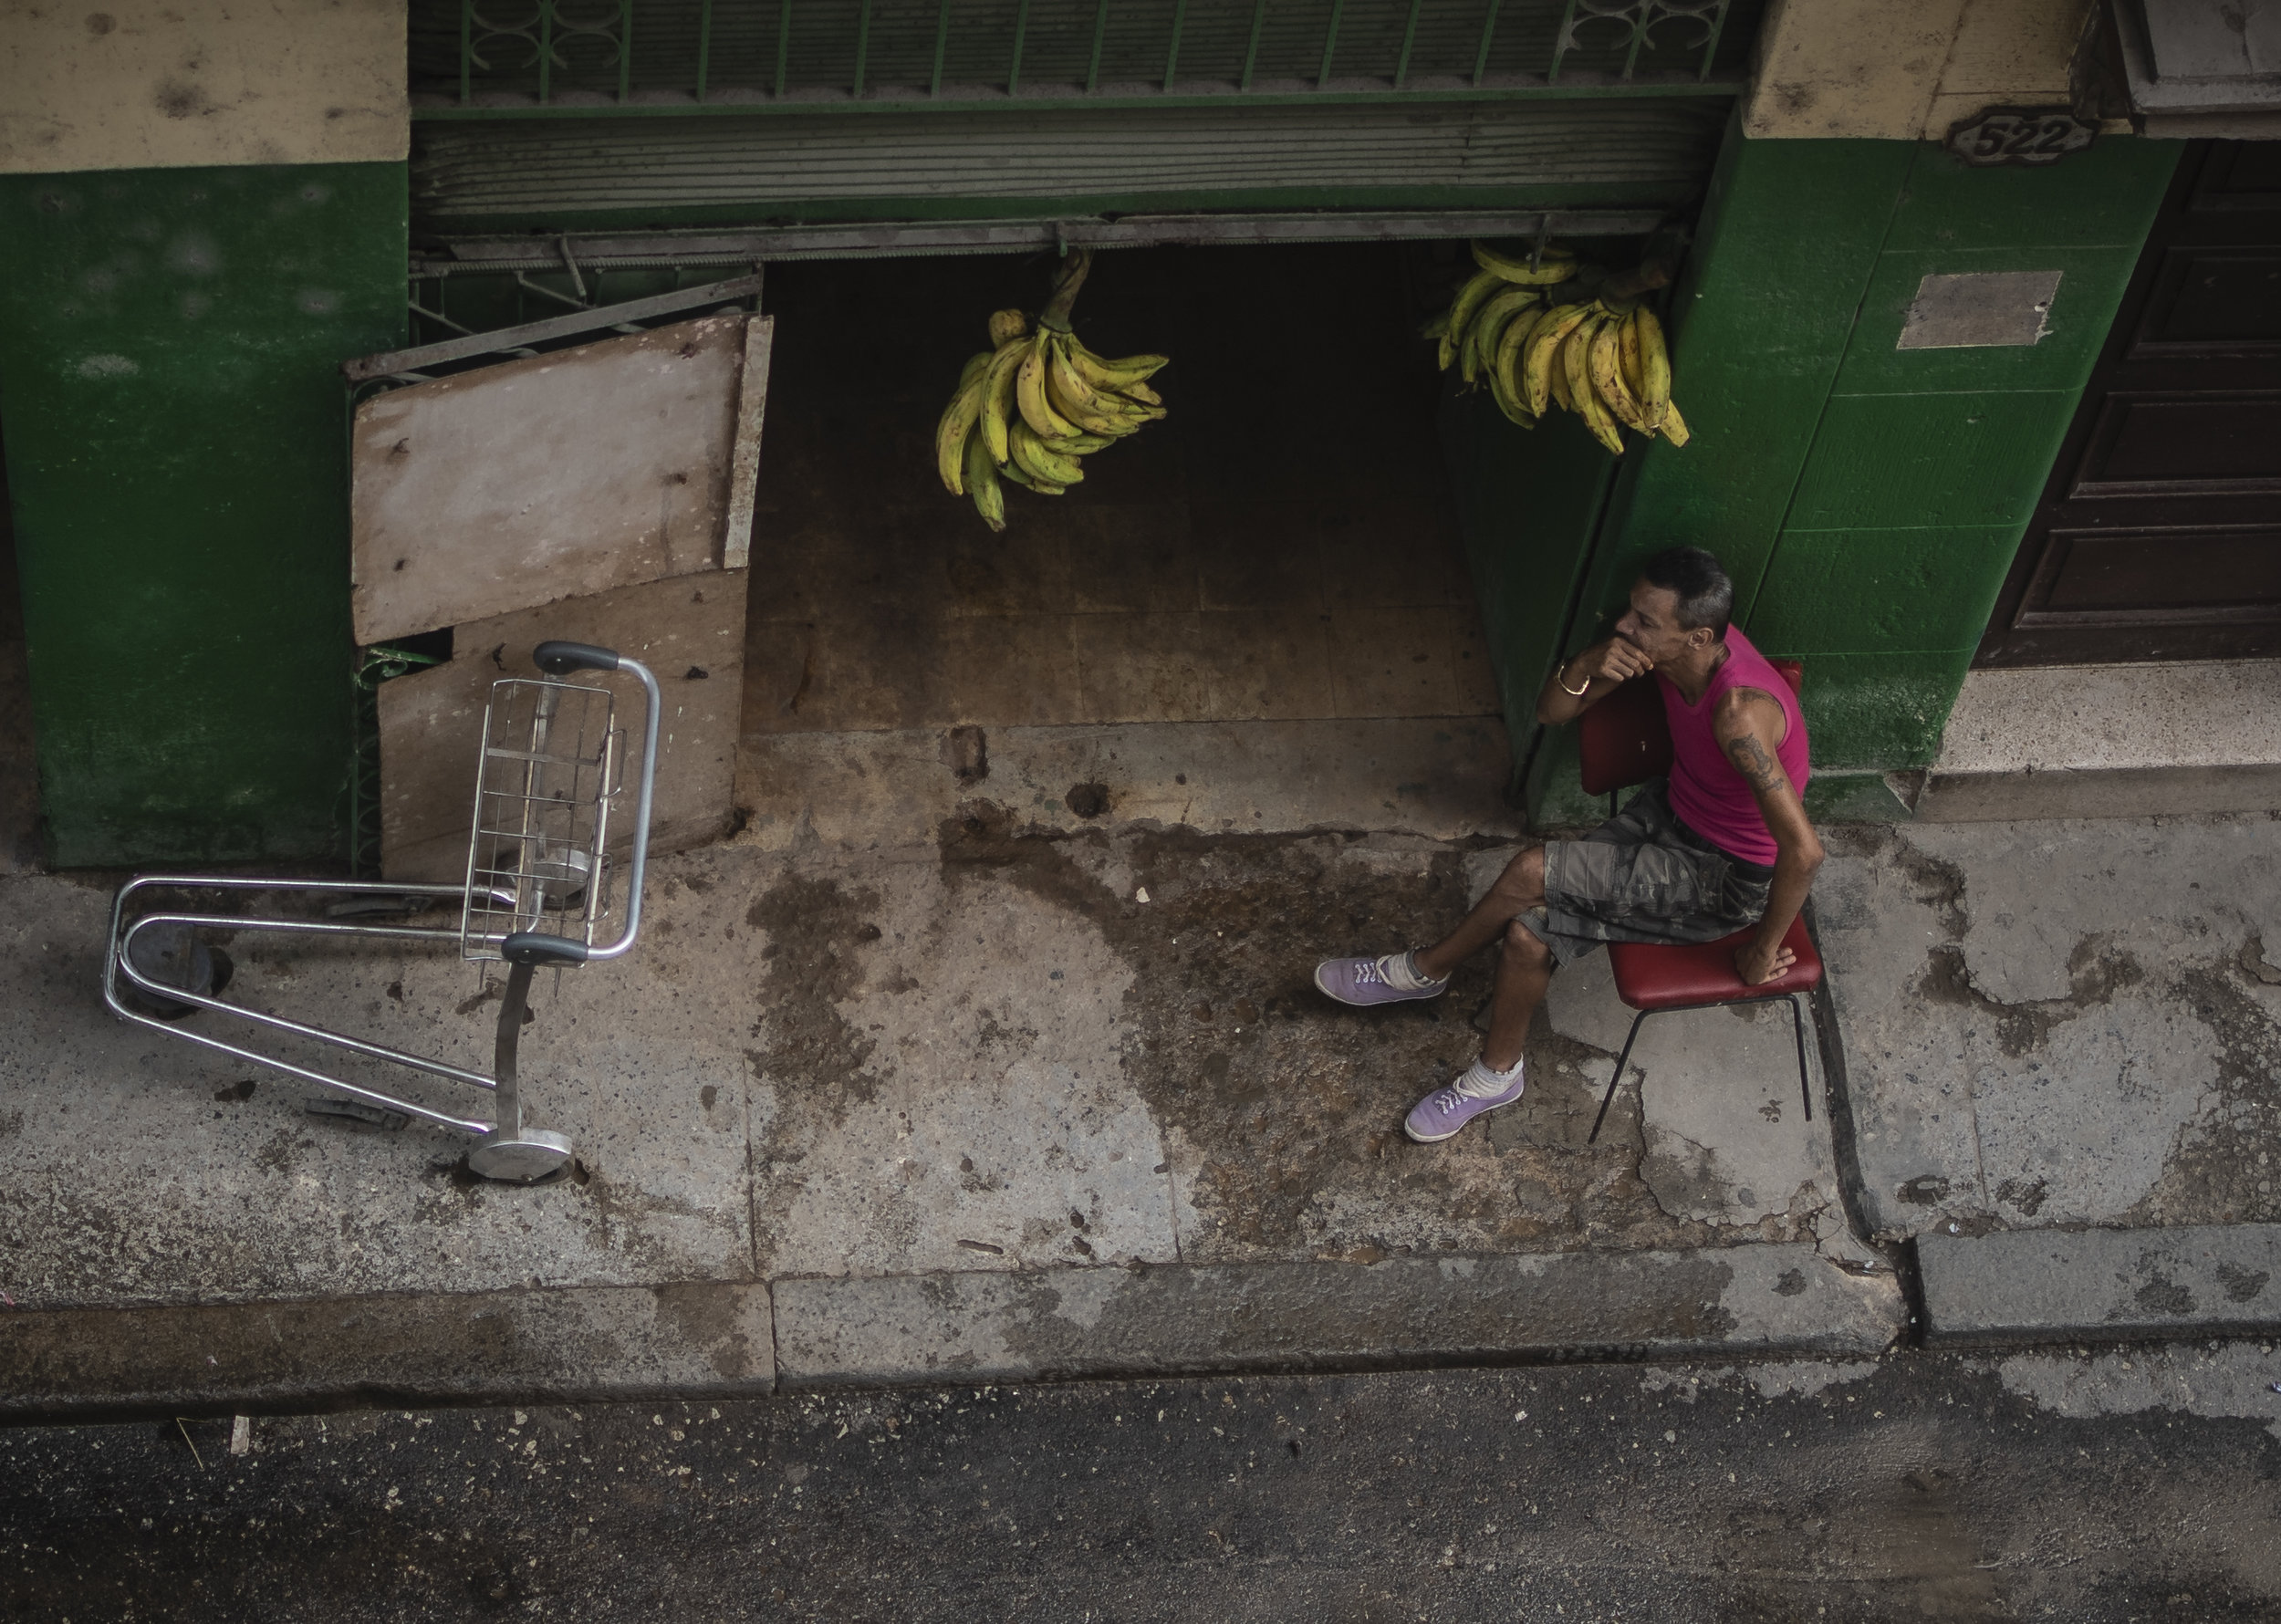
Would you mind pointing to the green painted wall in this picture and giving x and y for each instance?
(176, 442)
(1867, 500)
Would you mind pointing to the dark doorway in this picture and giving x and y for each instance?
(2157, 538)
(1283, 547)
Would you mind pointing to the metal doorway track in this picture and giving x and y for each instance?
(674, 249)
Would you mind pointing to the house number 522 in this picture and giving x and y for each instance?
(2002, 135)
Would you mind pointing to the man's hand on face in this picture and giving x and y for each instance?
(1614, 660)
(1755, 963)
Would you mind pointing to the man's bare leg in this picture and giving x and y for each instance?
(1519, 889)
(1523, 973)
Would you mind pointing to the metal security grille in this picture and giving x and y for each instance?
(503, 57)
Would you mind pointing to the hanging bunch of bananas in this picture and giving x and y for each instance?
(1029, 408)
(1556, 331)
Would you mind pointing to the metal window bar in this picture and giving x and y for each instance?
(551, 25)
(1251, 51)
(1021, 33)
(1639, 37)
(1710, 40)
(1563, 42)
(1489, 33)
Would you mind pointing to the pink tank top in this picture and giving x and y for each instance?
(1710, 796)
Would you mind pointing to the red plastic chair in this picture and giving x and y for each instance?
(1624, 740)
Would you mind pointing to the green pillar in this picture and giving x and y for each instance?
(176, 442)
(1868, 500)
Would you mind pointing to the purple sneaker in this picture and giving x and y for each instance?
(1441, 1113)
(1387, 979)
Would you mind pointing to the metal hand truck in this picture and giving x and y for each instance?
(536, 885)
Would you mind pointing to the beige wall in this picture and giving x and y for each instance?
(1906, 69)
(126, 84)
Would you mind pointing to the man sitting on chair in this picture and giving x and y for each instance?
(1723, 844)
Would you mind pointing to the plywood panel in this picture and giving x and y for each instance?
(689, 630)
(556, 476)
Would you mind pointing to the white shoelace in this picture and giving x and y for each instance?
(1478, 1082)
(1378, 970)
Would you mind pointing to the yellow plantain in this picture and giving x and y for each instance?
(1605, 367)
(997, 399)
(1627, 356)
(1575, 357)
(1135, 411)
(1032, 457)
(1012, 472)
(1470, 298)
(1500, 310)
(1479, 347)
(1562, 396)
(1029, 392)
(950, 434)
(1674, 425)
(1110, 417)
(1006, 326)
(975, 366)
(1555, 265)
(1655, 368)
(1501, 392)
(1080, 445)
(1137, 391)
(1436, 327)
(1065, 389)
(982, 483)
(1505, 365)
(1536, 357)
(1116, 374)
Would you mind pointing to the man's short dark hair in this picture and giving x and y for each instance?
(1706, 598)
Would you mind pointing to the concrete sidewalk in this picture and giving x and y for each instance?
(1022, 1102)
(1034, 1102)
(2068, 1027)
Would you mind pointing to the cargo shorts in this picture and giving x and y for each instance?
(1643, 876)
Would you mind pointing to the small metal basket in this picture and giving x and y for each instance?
(538, 887)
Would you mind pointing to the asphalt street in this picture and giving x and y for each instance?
(2079, 1483)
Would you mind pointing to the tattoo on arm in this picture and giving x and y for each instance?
(1762, 773)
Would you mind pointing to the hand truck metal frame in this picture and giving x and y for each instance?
(536, 885)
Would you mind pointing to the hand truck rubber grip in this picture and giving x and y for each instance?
(534, 947)
(558, 658)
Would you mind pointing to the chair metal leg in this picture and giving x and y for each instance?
(1607, 1098)
(1797, 1025)
(1805, 1086)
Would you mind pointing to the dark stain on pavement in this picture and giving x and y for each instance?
(815, 929)
(803, 1047)
(1290, 1104)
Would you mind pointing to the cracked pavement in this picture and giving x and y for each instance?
(2061, 1023)
(830, 1074)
